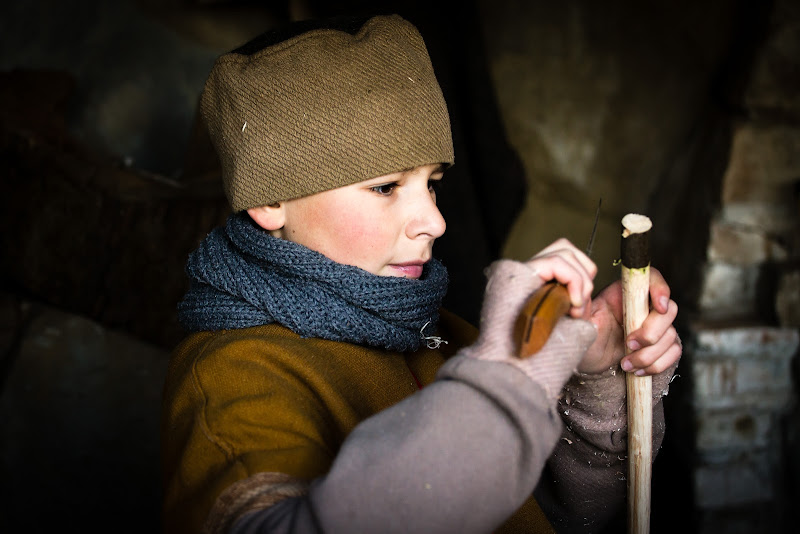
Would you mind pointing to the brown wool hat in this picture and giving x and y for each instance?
(324, 109)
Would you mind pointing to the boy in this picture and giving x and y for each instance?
(323, 388)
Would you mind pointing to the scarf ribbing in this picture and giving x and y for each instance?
(241, 276)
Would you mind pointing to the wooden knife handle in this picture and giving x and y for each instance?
(544, 308)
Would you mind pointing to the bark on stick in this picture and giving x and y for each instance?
(635, 257)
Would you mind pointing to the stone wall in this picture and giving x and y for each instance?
(746, 336)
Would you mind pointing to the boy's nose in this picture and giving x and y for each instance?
(427, 220)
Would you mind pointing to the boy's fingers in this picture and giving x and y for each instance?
(565, 248)
(657, 357)
(659, 290)
(571, 274)
(663, 363)
(650, 353)
(653, 328)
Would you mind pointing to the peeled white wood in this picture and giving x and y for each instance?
(636, 306)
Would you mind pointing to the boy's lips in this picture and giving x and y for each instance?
(411, 269)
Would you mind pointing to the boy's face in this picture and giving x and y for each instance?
(385, 225)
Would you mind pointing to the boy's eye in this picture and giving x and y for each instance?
(385, 189)
(435, 186)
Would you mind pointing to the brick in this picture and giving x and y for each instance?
(752, 518)
(763, 163)
(742, 245)
(787, 299)
(775, 76)
(734, 430)
(750, 341)
(746, 481)
(728, 290)
(731, 383)
(772, 217)
(743, 367)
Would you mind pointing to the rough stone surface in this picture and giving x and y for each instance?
(742, 392)
(745, 379)
(763, 165)
(729, 484)
(741, 519)
(725, 383)
(590, 110)
(739, 245)
(771, 217)
(773, 87)
(729, 290)
(139, 81)
(80, 409)
(787, 299)
(745, 342)
(89, 234)
(729, 432)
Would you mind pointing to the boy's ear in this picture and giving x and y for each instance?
(269, 218)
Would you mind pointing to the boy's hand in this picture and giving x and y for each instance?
(656, 345)
(565, 263)
(507, 290)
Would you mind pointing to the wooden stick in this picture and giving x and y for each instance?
(635, 307)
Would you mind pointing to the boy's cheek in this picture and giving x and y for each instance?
(362, 242)
(362, 227)
(357, 241)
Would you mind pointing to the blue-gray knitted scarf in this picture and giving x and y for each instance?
(241, 276)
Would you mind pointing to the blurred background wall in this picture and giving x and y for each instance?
(686, 111)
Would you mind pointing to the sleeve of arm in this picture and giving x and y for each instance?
(584, 484)
(459, 456)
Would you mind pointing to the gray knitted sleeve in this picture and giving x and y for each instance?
(459, 456)
(584, 485)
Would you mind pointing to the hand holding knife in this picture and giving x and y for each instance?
(544, 308)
